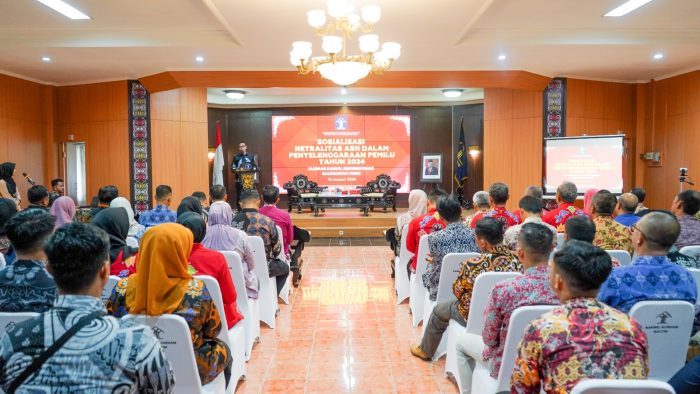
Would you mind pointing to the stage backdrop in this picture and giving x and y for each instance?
(342, 151)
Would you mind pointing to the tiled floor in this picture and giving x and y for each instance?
(343, 332)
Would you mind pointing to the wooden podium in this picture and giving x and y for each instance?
(246, 176)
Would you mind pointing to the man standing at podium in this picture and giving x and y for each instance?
(241, 160)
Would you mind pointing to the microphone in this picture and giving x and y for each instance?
(30, 180)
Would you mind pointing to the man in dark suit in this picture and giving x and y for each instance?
(430, 169)
(242, 159)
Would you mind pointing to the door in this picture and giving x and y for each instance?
(75, 172)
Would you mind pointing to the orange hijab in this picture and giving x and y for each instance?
(161, 278)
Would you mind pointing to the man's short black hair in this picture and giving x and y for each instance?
(604, 203)
(29, 229)
(490, 229)
(270, 194)
(163, 192)
(580, 228)
(76, 253)
(691, 201)
(217, 192)
(107, 194)
(250, 196)
(449, 208)
(37, 194)
(55, 182)
(499, 193)
(435, 194)
(8, 209)
(536, 240)
(200, 195)
(640, 193)
(530, 204)
(583, 267)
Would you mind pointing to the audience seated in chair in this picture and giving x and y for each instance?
(163, 284)
(626, 205)
(115, 222)
(609, 234)
(560, 349)
(496, 257)
(687, 380)
(135, 229)
(64, 210)
(641, 194)
(423, 225)
(222, 237)
(104, 197)
(532, 191)
(530, 212)
(110, 356)
(685, 206)
(162, 212)
(204, 202)
(217, 193)
(210, 262)
(481, 203)
(652, 237)
(8, 209)
(417, 206)
(565, 197)
(58, 189)
(25, 285)
(38, 197)
(498, 197)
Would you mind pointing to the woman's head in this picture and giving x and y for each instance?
(220, 213)
(189, 204)
(8, 208)
(7, 170)
(64, 210)
(195, 223)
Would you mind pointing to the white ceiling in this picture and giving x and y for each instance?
(135, 38)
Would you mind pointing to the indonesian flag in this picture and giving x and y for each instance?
(218, 176)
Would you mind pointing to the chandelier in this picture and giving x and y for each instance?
(337, 65)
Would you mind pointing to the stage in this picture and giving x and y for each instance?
(345, 222)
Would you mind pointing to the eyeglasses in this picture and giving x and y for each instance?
(636, 229)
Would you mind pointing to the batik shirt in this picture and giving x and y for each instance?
(501, 213)
(26, 286)
(683, 260)
(420, 226)
(530, 289)
(158, 215)
(455, 238)
(690, 231)
(108, 355)
(581, 339)
(499, 259)
(648, 278)
(468, 220)
(254, 223)
(201, 315)
(510, 238)
(558, 217)
(611, 235)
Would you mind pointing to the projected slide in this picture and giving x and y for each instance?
(341, 151)
(589, 162)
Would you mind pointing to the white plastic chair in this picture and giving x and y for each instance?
(401, 279)
(268, 286)
(286, 290)
(234, 338)
(696, 276)
(668, 325)
(417, 289)
(621, 255)
(133, 242)
(111, 284)
(560, 241)
(175, 338)
(622, 386)
(482, 382)
(691, 251)
(9, 319)
(475, 321)
(248, 307)
(2, 261)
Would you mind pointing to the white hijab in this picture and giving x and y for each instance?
(417, 206)
(134, 226)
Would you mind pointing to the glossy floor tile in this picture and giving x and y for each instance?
(343, 332)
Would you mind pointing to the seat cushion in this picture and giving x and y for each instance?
(374, 195)
(308, 195)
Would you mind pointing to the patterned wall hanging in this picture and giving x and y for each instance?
(554, 103)
(140, 146)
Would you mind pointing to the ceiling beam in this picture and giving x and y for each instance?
(475, 18)
(214, 10)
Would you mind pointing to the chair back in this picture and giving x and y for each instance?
(560, 241)
(281, 254)
(480, 296)
(451, 264)
(622, 386)
(132, 242)
(268, 287)
(622, 256)
(111, 284)
(235, 268)
(417, 290)
(215, 292)
(692, 251)
(519, 320)
(9, 319)
(696, 275)
(421, 264)
(668, 325)
(401, 279)
(404, 254)
(2, 261)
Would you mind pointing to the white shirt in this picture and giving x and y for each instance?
(510, 238)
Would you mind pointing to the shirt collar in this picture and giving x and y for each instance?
(79, 302)
(28, 263)
(537, 270)
(651, 260)
(501, 250)
(160, 207)
(431, 211)
(581, 302)
(249, 210)
(533, 219)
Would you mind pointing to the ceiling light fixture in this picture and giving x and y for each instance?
(235, 94)
(46, 59)
(501, 57)
(199, 59)
(627, 7)
(658, 56)
(452, 93)
(337, 65)
(343, 90)
(64, 8)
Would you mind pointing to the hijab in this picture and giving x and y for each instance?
(64, 210)
(588, 200)
(134, 226)
(189, 204)
(8, 209)
(161, 281)
(417, 206)
(115, 222)
(220, 235)
(6, 171)
(194, 222)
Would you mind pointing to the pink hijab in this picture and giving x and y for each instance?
(587, 199)
(417, 206)
(64, 210)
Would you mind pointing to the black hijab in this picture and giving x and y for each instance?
(8, 209)
(6, 171)
(194, 222)
(189, 204)
(115, 222)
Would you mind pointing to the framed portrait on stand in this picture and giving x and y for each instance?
(431, 168)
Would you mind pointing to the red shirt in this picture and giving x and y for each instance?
(123, 268)
(282, 219)
(500, 213)
(420, 226)
(558, 217)
(212, 263)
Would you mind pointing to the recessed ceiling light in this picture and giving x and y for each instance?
(46, 59)
(452, 93)
(658, 56)
(199, 59)
(627, 7)
(343, 90)
(501, 57)
(235, 94)
(64, 8)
